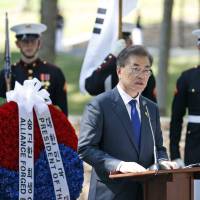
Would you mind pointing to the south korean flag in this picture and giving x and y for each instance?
(105, 33)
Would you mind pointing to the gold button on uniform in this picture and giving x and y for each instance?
(47, 83)
(30, 77)
(30, 71)
(193, 90)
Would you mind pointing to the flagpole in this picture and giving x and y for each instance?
(120, 20)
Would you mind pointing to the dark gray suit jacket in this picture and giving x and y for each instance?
(106, 138)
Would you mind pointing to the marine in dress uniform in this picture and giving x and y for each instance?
(31, 66)
(186, 98)
(105, 77)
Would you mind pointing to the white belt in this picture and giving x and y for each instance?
(194, 118)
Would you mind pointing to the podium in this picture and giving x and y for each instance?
(176, 184)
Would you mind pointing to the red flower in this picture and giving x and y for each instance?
(9, 134)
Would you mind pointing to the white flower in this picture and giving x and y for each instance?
(29, 95)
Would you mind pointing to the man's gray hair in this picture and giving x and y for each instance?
(135, 50)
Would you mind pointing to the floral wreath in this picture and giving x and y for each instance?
(9, 158)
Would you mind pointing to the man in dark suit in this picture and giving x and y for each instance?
(115, 133)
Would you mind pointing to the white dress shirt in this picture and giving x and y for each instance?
(127, 98)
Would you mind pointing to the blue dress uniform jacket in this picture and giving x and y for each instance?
(186, 98)
(50, 75)
(106, 138)
(95, 84)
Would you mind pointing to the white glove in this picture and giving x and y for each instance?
(180, 163)
(118, 46)
(126, 167)
(165, 164)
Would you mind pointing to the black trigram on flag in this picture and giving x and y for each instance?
(99, 20)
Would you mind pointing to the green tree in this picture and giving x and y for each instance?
(48, 17)
(164, 47)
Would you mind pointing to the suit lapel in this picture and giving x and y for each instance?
(121, 111)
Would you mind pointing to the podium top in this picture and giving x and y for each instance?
(118, 175)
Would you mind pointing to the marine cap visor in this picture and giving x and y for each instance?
(27, 37)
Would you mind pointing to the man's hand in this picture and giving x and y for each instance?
(118, 46)
(126, 167)
(168, 165)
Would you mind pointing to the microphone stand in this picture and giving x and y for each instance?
(155, 166)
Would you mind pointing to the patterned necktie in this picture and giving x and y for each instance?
(135, 120)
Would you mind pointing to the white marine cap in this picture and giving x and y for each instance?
(127, 27)
(24, 31)
(197, 33)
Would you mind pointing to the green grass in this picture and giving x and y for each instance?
(2, 101)
(71, 67)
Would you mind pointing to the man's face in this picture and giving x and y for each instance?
(29, 48)
(133, 77)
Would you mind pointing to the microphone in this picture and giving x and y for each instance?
(155, 166)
